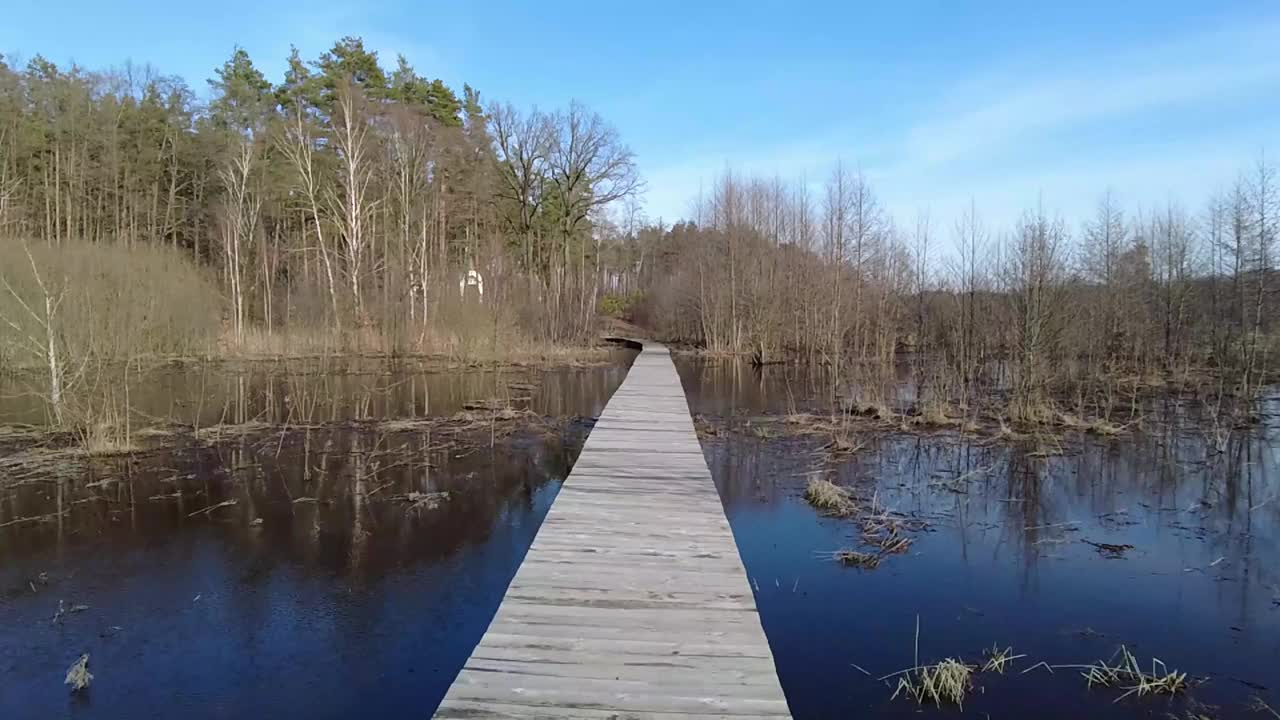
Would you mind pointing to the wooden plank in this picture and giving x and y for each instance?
(632, 601)
(512, 711)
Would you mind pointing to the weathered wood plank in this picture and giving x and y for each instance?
(632, 601)
(511, 711)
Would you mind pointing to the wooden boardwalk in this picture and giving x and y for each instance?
(632, 601)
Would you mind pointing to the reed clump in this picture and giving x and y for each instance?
(998, 659)
(883, 532)
(855, 558)
(1105, 428)
(1259, 705)
(942, 683)
(78, 675)
(829, 497)
(1123, 671)
(948, 682)
(935, 414)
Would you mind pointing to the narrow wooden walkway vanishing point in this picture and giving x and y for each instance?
(632, 601)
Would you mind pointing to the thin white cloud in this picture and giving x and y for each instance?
(941, 161)
(1142, 181)
(1130, 82)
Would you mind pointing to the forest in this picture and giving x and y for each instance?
(339, 209)
(1058, 324)
(336, 209)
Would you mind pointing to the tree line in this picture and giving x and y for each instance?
(345, 200)
(1039, 313)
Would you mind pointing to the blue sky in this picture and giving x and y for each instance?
(1004, 103)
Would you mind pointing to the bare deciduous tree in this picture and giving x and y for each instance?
(297, 143)
(241, 211)
(523, 143)
(352, 201)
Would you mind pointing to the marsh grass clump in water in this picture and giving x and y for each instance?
(947, 682)
(829, 497)
(78, 675)
(936, 414)
(1127, 674)
(1104, 428)
(843, 442)
(943, 683)
(105, 438)
(882, 529)
(854, 558)
(422, 501)
(893, 543)
(1259, 705)
(998, 659)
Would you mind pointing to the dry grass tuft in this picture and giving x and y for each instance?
(891, 542)
(764, 432)
(1068, 420)
(998, 660)
(1104, 428)
(883, 531)
(934, 414)
(854, 558)
(1128, 675)
(843, 441)
(944, 683)
(874, 410)
(78, 675)
(1258, 705)
(829, 497)
(421, 500)
(103, 439)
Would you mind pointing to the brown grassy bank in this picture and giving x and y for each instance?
(82, 322)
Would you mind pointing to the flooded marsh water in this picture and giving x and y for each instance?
(333, 544)
(1011, 550)
(335, 568)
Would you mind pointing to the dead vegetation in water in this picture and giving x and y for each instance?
(943, 683)
(1258, 705)
(64, 610)
(220, 478)
(858, 559)
(998, 659)
(851, 420)
(29, 454)
(891, 544)
(829, 498)
(843, 441)
(883, 532)
(488, 415)
(1123, 671)
(422, 500)
(1111, 551)
(78, 675)
(949, 681)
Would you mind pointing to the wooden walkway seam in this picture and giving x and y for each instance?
(632, 601)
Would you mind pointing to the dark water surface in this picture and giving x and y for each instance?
(347, 570)
(318, 390)
(1004, 558)
(342, 571)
